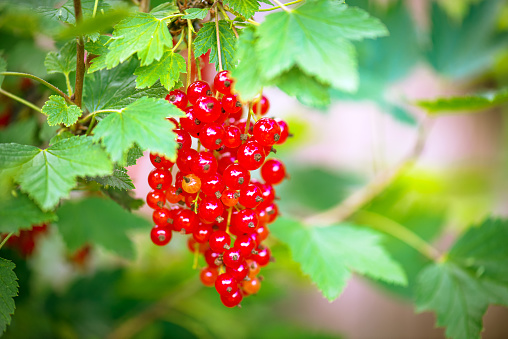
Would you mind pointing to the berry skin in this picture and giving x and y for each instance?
(266, 131)
(213, 185)
(240, 272)
(231, 104)
(163, 217)
(223, 82)
(160, 235)
(177, 98)
(171, 195)
(284, 131)
(212, 136)
(160, 161)
(210, 208)
(196, 90)
(262, 232)
(246, 221)
(262, 106)
(212, 257)
(219, 241)
(185, 159)
(232, 137)
(232, 258)
(183, 139)
(245, 243)
(272, 211)
(230, 197)
(202, 233)
(191, 183)
(204, 164)
(251, 155)
(226, 284)
(193, 245)
(159, 179)
(232, 300)
(250, 196)
(190, 123)
(156, 199)
(208, 276)
(273, 171)
(251, 286)
(254, 268)
(263, 256)
(207, 109)
(268, 194)
(225, 159)
(185, 221)
(236, 176)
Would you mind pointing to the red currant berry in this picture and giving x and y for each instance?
(231, 104)
(232, 300)
(272, 211)
(190, 199)
(225, 159)
(251, 155)
(230, 197)
(236, 176)
(213, 185)
(262, 257)
(204, 164)
(185, 158)
(156, 199)
(226, 284)
(190, 123)
(232, 258)
(284, 131)
(160, 235)
(202, 232)
(240, 272)
(207, 109)
(183, 139)
(212, 258)
(262, 106)
(268, 194)
(223, 82)
(212, 136)
(185, 220)
(273, 171)
(246, 221)
(163, 217)
(251, 286)
(160, 161)
(191, 183)
(177, 98)
(219, 241)
(193, 245)
(159, 179)
(232, 137)
(172, 196)
(210, 208)
(254, 268)
(208, 276)
(245, 243)
(250, 196)
(262, 232)
(266, 131)
(196, 90)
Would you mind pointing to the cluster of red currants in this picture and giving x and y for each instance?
(213, 197)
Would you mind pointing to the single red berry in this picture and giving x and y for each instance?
(183, 139)
(268, 194)
(219, 241)
(156, 199)
(232, 258)
(159, 179)
(254, 268)
(230, 197)
(185, 220)
(191, 183)
(204, 164)
(231, 104)
(251, 155)
(177, 98)
(224, 160)
(212, 258)
(185, 159)
(210, 208)
(262, 232)
(246, 221)
(213, 185)
(207, 109)
(196, 90)
(190, 199)
(245, 243)
(240, 272)
(273, 171)
(236, 176)
(223, 117)
(208, 276)
(262, 106)
(284, 131)
(263, 256)
(226, 284)
(232, 300)
(232, 136)
(172, 195)
(193, 245)
(272, 211)
(223, 82)
(190, 123)
(250, 196)
(202, 232)
(178, 183)
(160, 161)
(160, 235)
(163, 217)
(212, 136)
(266, 131)
(251, 286)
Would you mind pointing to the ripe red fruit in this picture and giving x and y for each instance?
(185, 220)
(159, 179)
(251, 286)
(268, 194)
(262, 232)
(231, 104)
(207, 109)
(211, 257)
(232, 135)
(208, 276)
(177, 98)
(266, 131)
(196, 90)
(225, 159)
(250, 196)
(184, 160)
(273, 171)
(183, 139)
(246, 221)
(262, 106)
(284, 131)
(245, 243)
(190, 123)
(202, 232)
(251, 155)
(213, 185)
(240, 272)
(232, 300)
(160, 161)
(212, 136)
(233, 258)
(204, 164)
(163, 217)
(171, 195)
(236, 176)
(160, 235)
(230, 197)
(156, 199)
(219, 241)
(223, 82)
(191, 183)
(263, 256)
(271, 211)
(226, 284)
(210, 208)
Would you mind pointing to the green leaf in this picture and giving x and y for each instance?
(196, 13)
(3, 68)
(98, 221)
(142, 122)
(65, 13)
(123, 198)
(247, 8)
(164, 10)
(63, 61)
(20, 132)
(116, 88)
(18, 212)
(94, 26)
(168, 69)
(8, 290)
(100, 49)
(119, 179)
(206, 39)
(329, 254)
(473, 276)
(141, 33)
(133, 155)
(59, 113)
(315, 37)
(50, 174)
(475, 102)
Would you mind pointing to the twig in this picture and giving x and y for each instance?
(21, 100)
(42, 81)
(80, 58)
(144, 6)
(218, 40)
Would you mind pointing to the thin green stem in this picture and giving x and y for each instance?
(91, 126)
(68, 83)
(5, 240)
(198, 68)
(393, 228)
(42, 81)
(277, 7)
(91, 115)
(189, 52)
(178, 43)
(255, 23)
(21, 100)
(248, 118)
(282, 6)
(218, 41)
(172, 16)
(95, 8)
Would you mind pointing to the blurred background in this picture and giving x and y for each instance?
(435, 48)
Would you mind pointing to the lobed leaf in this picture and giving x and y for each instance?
(63, 61)
(196, 13)
(119, 179)
(206, 40)
(168, 69)
(59, 113)
(8, 290)
(247, 8)
(18, 212)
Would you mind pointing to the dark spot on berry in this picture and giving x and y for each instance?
(254, 252)
(270, 212)
(209, 93)
(172, 98)
(180, 145)
(179, 191)
(276, 137)
(241, 180)
(244, 137)
(236, 195)
(223, 110)
(235, 257)
(251, 225)
(206, 167)
(197, 121)
(257, 157)
(218, 141)
(229, 289)
(209, 105)
(259, 199)
(227, 83)
(169, 221)
(187, 180)
(158, 159)
(238, 104)
(160, 204)
(218, 195)
(162, 237)
(159, 186)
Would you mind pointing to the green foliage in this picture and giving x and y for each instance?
(307, 89)
(123, 198)
(65, 13)
(473, 275)
(143, 122)
(206, 40)
(98, 221)
(119, 179)
(165, 9)
(93, 26)
(8, 290)
(18, 212)
(59, 113)
(168, 69)
(48, 175)
(63, 61)
(475, 102)
(3, 68)
(20, 132)
(246, 8)
(100, 49)
(196, 13)
(329, 254)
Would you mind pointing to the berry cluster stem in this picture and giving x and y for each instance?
(282, 6)
(21, 100)
(189, 51)
(42, 81)
(218, 39)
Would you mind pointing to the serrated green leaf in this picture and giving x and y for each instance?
(473, 276)
(168, 69)
(123, 198)
(59, 113)
(65, 13)
(63, 61)
(18, 212)
(206, 39)
(116, 88)
(329, 254)
(141, 33)
(3, 68)
(164, 10)
(94, 25)
(8, 290)
(60, 136)
(49, 175)
(98, 221)
(119, 179)
(100, 49)
(247, 8)
(133, 155)
(196, 13)
(468, 103)
(142, 122)
(315, 37)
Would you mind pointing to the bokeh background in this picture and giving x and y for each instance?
(448, 47)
